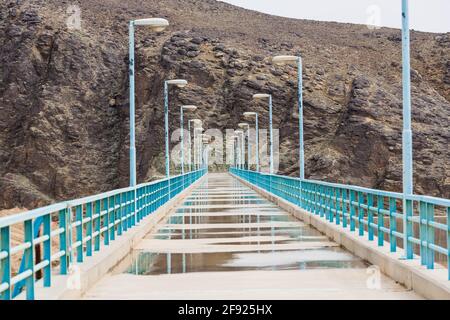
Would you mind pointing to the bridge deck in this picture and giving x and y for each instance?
(227, 242)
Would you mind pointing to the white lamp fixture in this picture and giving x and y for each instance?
(156, 24)
(243, 125)
(189, 108)
(285, 59)
(261, 96)
(249, 114)
(178, 82)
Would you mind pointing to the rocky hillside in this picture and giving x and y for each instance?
(64, 94)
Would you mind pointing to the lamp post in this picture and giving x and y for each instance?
(204, 142)
(298, 61)
(196, 146)
(241, 148)
(196, 122)
(236, 151)
(255, 114)
(182, 109)
(407, 132)
(246, 125)
(156, 25)
(268, 96)
(180, 84)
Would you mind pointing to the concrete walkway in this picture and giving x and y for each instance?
(227, 242)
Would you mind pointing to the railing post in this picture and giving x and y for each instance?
(344, 208)
(47, 250)
(392, 224)
(64, 260)
(112, 218)
(380, 222)
(79, 232)
(98, 224)
(352, 209)
(89, 228)
(408, 228)
(120, 214)
(105, 221)
(370, 216)
(423, 232)
(360, 213)
(29, 259)
(448, 242)
(5, 263)
(337, 206)
(430, 236)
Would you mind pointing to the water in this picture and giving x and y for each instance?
(225, 226)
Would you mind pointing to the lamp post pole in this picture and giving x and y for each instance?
(182, 108)
(182, 139)
(257, 141)
(132, 107)
(407, 132)
(298, 61)
(268, 96)
(300, 119)
(246, 125)
(190, 140)
(271, 134)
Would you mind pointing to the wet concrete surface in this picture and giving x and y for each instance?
(224, 227)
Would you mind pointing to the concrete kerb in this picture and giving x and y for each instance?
(88, 273)
(431, 284)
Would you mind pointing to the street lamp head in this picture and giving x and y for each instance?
(196, 121)
(285, 59)
(243, 125)
(178, 82)
(156, 24)
(261, 96)
(249, 114)
(189, 108)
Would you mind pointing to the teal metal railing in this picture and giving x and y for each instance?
(370, 212)
(79, 228)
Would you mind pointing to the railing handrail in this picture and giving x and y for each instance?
(354, 206)
(41, 211)
(83, 226)
(430, 199)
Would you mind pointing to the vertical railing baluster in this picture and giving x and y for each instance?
(423, 232)
(79, 232)
(344, 208)
(89, 228)
(360, 213)
(448, 242)
(105, 209)
(119, 201)
(430, 236)
(408, 228)
(98, 224)
(47, 246)
(63, 243)
(380, 221)
(29, 259)
(352, 210)
(370, 216)
(5, 264)
(112, 218)
(392, 224)
(337, 205)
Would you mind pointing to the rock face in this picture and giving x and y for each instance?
(64, 94)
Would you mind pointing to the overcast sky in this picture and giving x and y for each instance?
(425, 15)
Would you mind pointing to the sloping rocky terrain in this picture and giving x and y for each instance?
(64, 94)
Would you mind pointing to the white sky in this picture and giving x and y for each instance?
(425, 15)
